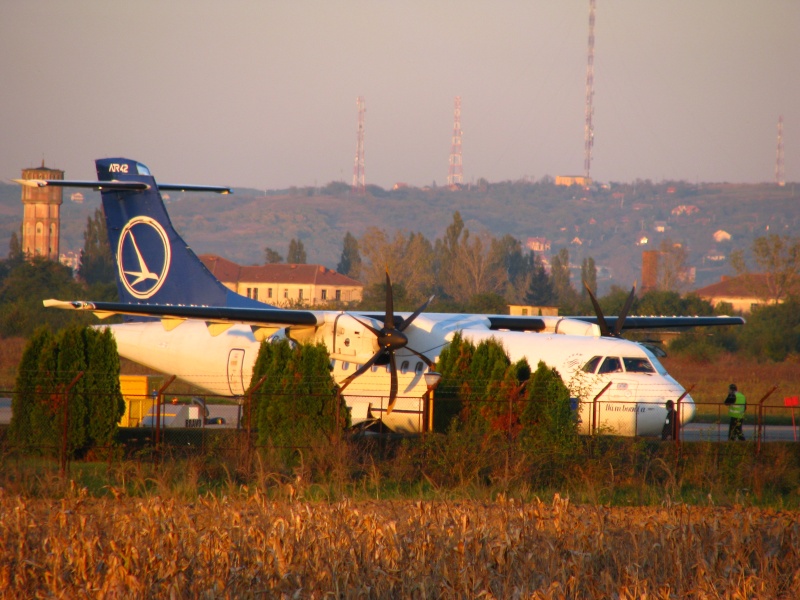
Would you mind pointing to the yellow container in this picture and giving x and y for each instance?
(139, 393)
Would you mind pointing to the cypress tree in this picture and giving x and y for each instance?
(26, 401)
(488, 366)
(540, 290)
(45, 418)
(453, 363)
(297, 252)
(105, 403)
(296, 404)
(504, 397)
(49, 365)
(547, 417)
(350, 261)
(96, 262)
(71, 361)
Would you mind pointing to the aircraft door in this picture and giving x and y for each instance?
(235, 373)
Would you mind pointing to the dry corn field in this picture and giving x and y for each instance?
(256, 548)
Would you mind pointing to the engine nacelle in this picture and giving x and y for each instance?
(567, 326)
(348, 340)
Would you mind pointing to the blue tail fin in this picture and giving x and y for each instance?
(154, 264)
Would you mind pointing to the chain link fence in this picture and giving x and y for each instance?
(158, 425)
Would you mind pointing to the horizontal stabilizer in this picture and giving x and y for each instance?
(120, 185)
(95, 185)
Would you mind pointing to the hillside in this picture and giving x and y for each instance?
(607, 224)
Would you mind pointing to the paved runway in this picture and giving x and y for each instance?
(713, 432)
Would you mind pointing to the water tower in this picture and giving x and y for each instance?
(41, 219)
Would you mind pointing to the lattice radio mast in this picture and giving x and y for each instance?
(455, 175)
(779, 174)
(359, 181)
(588, 130)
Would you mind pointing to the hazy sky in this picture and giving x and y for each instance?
(263, 93)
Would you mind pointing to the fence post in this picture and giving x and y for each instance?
(594, 407)
(159, 399)
(679, 414)
(759, 429)
(65, 427)
(677, 425)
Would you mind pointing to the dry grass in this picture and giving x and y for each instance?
(252, 547)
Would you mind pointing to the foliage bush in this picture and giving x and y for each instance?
(49, 366)
(296, 405)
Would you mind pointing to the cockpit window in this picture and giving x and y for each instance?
(611, 364)
(142, 170)
(658, 366)
(637, 365)
(591, 366)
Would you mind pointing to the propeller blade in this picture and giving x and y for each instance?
(362, 369)
(624, 314)
(424, 358)
(375, 332)
(601, 320)
(388, 320)
(414, 315)
(393, 387)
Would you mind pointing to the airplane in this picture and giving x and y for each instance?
(181, 320)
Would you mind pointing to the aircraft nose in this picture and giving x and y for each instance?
(687, 409)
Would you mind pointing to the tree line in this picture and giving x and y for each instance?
(467, 272)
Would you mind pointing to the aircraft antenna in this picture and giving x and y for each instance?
(588, 130)
(455, 175)
(359, 181)
(779, 174)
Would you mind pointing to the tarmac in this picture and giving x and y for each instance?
(718, 432)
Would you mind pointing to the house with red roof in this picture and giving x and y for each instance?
(743, 292)
(282, 284)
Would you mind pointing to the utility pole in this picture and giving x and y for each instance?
(779, 174)
(359, 181)
(588, 129)
(455, 175)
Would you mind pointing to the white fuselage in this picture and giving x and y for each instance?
(222, 364)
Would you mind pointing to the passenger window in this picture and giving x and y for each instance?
(418, 368)
(404, 367)
(611, 364)
(591, 366)
(345, 366)
(374, 368)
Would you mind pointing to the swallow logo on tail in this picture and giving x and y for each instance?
(143, 275)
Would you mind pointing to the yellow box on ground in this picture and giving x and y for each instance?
(138, 391)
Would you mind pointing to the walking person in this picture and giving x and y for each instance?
(670, 429)
(736, 406)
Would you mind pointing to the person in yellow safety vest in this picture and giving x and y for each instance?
(736, 406)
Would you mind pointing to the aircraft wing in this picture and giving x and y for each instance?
(217, 314)
(284, 317)
(666, 322)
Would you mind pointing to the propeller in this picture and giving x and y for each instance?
(390, 339)
(601, 320)
(652, 345)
